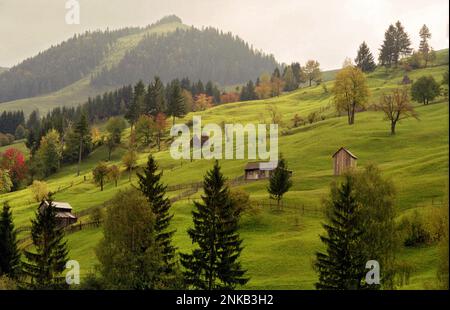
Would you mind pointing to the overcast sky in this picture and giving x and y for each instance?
(326, 30)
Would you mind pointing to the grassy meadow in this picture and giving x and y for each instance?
(279, 247)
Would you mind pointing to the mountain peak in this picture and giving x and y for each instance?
(169, 19)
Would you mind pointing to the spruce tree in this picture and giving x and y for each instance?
(342, 266)
(81, 130)
(152, 188)
(395, 45)
(214, 263)
(280, 181)
(9, 252)
(136, 105)
(155, 100)
(176, 107)
(364, 60)
(45, 265)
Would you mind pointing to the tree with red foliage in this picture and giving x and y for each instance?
(13, 161)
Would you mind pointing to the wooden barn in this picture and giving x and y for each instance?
(343, 160)
(64, 214)
(260, 170)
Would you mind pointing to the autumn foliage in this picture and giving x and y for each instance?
(13, 161)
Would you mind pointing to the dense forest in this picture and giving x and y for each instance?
(58, 66)
(207, 54)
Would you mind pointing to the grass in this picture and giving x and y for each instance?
(279, 246)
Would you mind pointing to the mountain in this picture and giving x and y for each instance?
(58, 66)
(207, 54)
(3, 69)
(94, 62)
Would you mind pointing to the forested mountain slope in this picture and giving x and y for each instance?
(95, 62)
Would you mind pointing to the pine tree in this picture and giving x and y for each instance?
(364, 60)
(152, 188)
(214, 263)
(81, 130)
(45, 265)
(342, 266)
(176, 107)
(280, 181)
(155, 100)
(9, 252)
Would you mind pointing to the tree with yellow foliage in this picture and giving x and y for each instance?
(350, 91)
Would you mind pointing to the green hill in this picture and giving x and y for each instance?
(93, 63)
(279, 246)
(3, 69)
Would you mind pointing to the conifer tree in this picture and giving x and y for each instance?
(137, 104)
(214, 263)
(152, 188)
(81, 130)
(395, 45)
(342, 266)
(280, 181)
(9, 252)
(290, 83)
(176, 107)
(155, 100)
(424, 47)
(248, 92)
(364, 60)
(45, 265)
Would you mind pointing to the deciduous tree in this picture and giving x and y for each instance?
(425, 89)
(396, 106)
(312, 71)
(100, 172)
(350, 91)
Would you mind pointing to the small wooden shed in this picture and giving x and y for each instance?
(260, 170)
(343, 160)
(63, 210)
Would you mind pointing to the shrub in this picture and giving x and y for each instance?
(7, 284)
(414, 230)
(312, 117)
(39, 190)
(96, 215)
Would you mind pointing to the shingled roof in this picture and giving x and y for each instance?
(347, 151)
(261, 165)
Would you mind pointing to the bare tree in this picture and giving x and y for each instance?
(396, 106)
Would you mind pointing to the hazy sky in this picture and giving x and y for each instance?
(326, 30)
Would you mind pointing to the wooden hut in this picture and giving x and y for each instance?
(260, 170)
(343, 160)
(63, 210)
